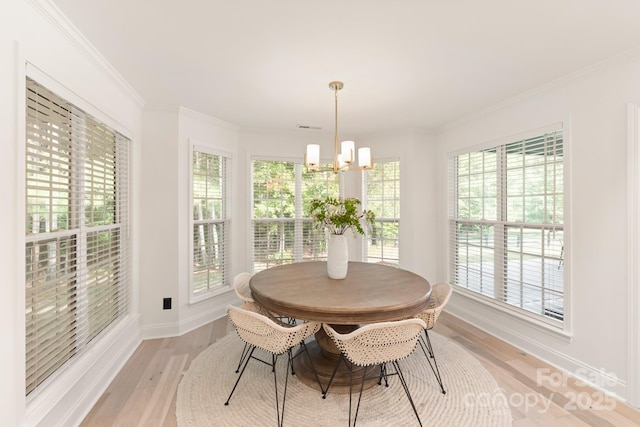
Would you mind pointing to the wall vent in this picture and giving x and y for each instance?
(302, 126)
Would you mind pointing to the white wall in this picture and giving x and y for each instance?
(12, 318)
(159, 223)
(168, 133)
(593, 107)
(416, 152)
(35, 33)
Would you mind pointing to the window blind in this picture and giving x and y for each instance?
(533, 231)
(211, 222)
(315, 185)
(381, 189)
(507, 223)
(77, 250)
(282, 229)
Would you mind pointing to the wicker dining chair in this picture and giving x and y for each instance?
(440, 295)
(243, 291)
(276, 338)
(376, 344)
(241, 287)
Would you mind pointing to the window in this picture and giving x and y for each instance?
(77, 255)
(381, 187)
(282, 230)
(507, 223)
(211, 223)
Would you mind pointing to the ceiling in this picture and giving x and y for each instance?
(405, 64)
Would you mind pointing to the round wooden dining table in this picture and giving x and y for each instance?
(369, 293)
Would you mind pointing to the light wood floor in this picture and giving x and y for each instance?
(144, 392)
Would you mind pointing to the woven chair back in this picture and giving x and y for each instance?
(440, 295)
(241, 286)
(378, 343)
(262, 332)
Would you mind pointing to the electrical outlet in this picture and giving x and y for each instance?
(166, 303)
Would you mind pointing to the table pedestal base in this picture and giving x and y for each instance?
(325, 355)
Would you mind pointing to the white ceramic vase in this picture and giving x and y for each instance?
(337, 256)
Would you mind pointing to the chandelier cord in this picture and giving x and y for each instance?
(335, 139)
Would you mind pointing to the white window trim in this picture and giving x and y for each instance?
(364, 193)
(565, 329)
(549, 326)
(298, 162)
(228, 191)
(48, 393)
(55, 86)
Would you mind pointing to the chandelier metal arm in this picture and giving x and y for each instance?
(341, 162)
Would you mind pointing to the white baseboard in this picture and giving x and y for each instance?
(201, 319)
(175, 329)
(572, 367)
(160, 330)
(77, 388)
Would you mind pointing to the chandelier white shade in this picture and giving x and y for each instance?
(344, 160)
(364, 158)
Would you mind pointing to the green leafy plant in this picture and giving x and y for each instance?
(337, 215)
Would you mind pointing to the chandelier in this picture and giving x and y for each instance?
(345, 160)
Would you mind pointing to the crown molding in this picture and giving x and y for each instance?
(621, 58)
(204, 117)
(69, 31)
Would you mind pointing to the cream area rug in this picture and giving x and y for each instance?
(473, 397)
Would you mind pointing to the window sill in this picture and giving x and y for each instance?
(205, 296)
(548, 326)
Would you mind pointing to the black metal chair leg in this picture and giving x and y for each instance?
(243, 355)
(406, 390)
(274, 360)
(280, 411)
(350, 391)
(333, 374)
(292, 371)
(286, 382)
(434, 365)
(427, 343)
(383, 373)
(313, 368)
(364, 376)
(275, 385)
(240, 376)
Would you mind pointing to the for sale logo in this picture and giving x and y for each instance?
(562, 394)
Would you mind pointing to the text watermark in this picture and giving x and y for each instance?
(540, 402)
